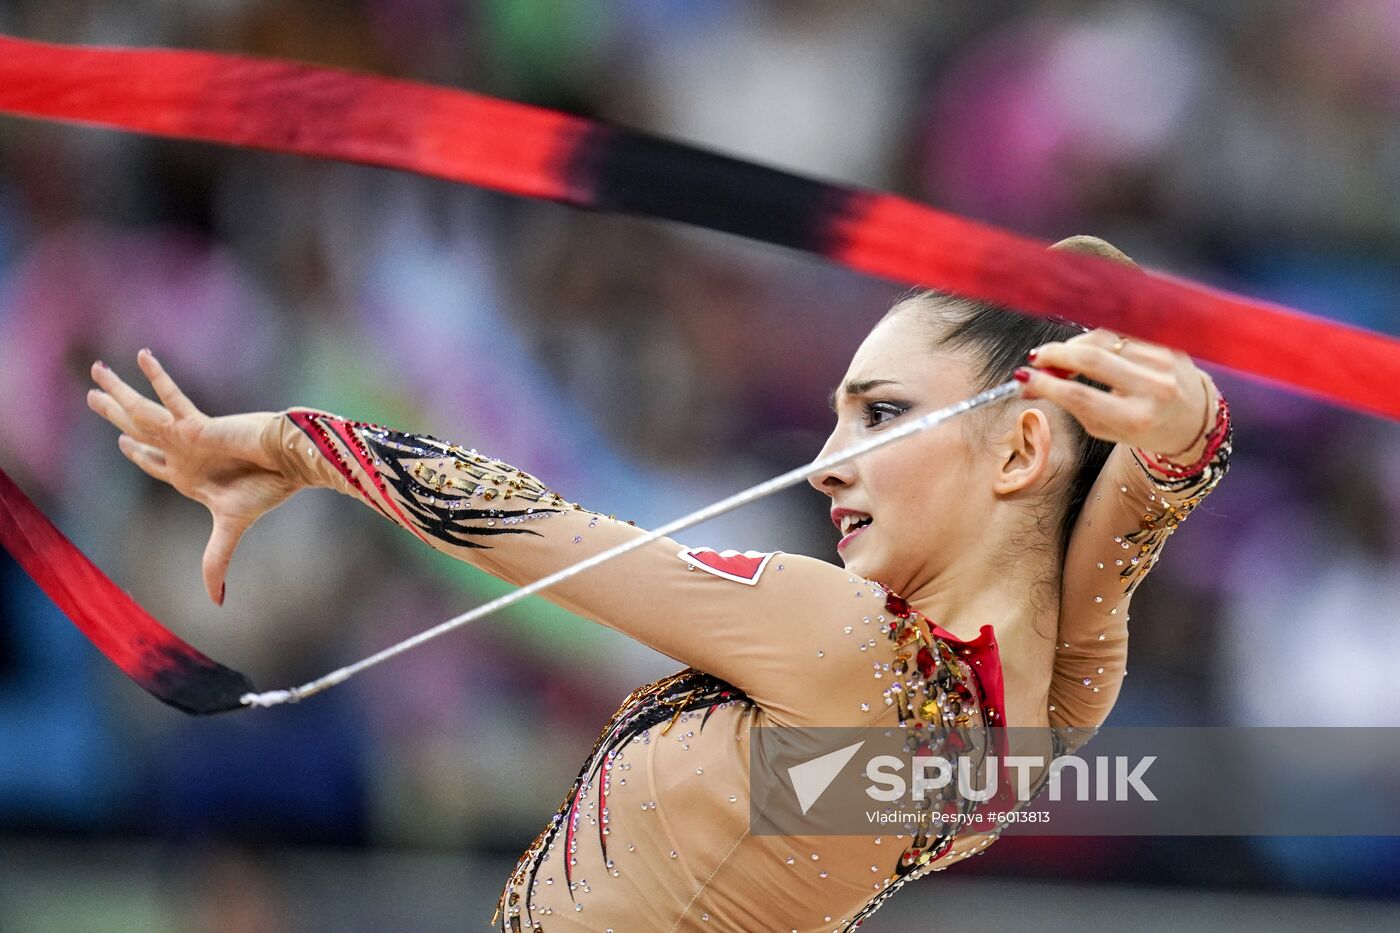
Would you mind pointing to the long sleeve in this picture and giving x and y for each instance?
(1117, 540)
(786, 629)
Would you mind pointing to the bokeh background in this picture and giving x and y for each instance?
(643, 370)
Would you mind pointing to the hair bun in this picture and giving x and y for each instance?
(1094, 246)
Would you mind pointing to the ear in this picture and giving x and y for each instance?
(1025, 451)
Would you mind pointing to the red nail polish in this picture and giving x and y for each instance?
(1021, 374)
(1057, 371)
(1031, 356)
(223, 591)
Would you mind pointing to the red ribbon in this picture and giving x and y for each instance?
(334, 114)
(146, 652)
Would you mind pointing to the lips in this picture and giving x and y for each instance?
(851, 523)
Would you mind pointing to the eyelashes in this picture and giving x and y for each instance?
(872, 410)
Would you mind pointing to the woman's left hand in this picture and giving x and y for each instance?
(1157, 399)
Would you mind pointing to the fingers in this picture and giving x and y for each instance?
(1128, 348)
(1137, 368)
(1102, 414)
(1153, 397)
(148, 417)
(166, 389)
(107, 407)
(1086, 359)
(217, 556)
(150, 459)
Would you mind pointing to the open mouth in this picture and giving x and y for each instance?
(851, 524)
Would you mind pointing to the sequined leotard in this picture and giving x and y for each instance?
(655, 834)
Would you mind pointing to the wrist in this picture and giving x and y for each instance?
(1209, 418)
(1166, 462)
(1178, 471)
(284, 448)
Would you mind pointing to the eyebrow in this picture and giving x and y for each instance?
(858, 387)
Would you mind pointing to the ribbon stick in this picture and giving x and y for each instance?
(753, 494)
(177, 674)
(334, 114)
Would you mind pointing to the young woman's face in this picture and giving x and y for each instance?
(919, 493)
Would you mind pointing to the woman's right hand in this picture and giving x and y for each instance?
(218, 462)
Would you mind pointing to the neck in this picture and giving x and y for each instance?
(1004, 593)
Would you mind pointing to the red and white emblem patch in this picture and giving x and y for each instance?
(732, 565)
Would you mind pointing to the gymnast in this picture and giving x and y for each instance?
(988, 568)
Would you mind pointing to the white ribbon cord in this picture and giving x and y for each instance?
(766, 488)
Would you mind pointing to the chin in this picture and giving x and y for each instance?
(855, 565)
(859, 563)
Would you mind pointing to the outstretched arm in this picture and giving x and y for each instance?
(1134, 505)
(784, 628)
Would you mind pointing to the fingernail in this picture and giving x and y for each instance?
(1022, 374)
(223, 591)
(1031, 356)
(1056, 371)
(147, 351)
(103, 365)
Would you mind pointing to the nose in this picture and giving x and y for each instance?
(828, 481)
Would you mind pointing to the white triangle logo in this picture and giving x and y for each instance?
(811, 778)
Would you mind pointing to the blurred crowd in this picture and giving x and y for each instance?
(644, 369)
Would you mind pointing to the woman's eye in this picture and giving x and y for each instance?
(874, 410)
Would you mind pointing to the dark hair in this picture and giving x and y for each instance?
(999, 340)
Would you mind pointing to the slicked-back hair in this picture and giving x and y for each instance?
(998, 340)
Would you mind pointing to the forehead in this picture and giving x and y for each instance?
(902, 348)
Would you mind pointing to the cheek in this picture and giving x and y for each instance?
(918, 480)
